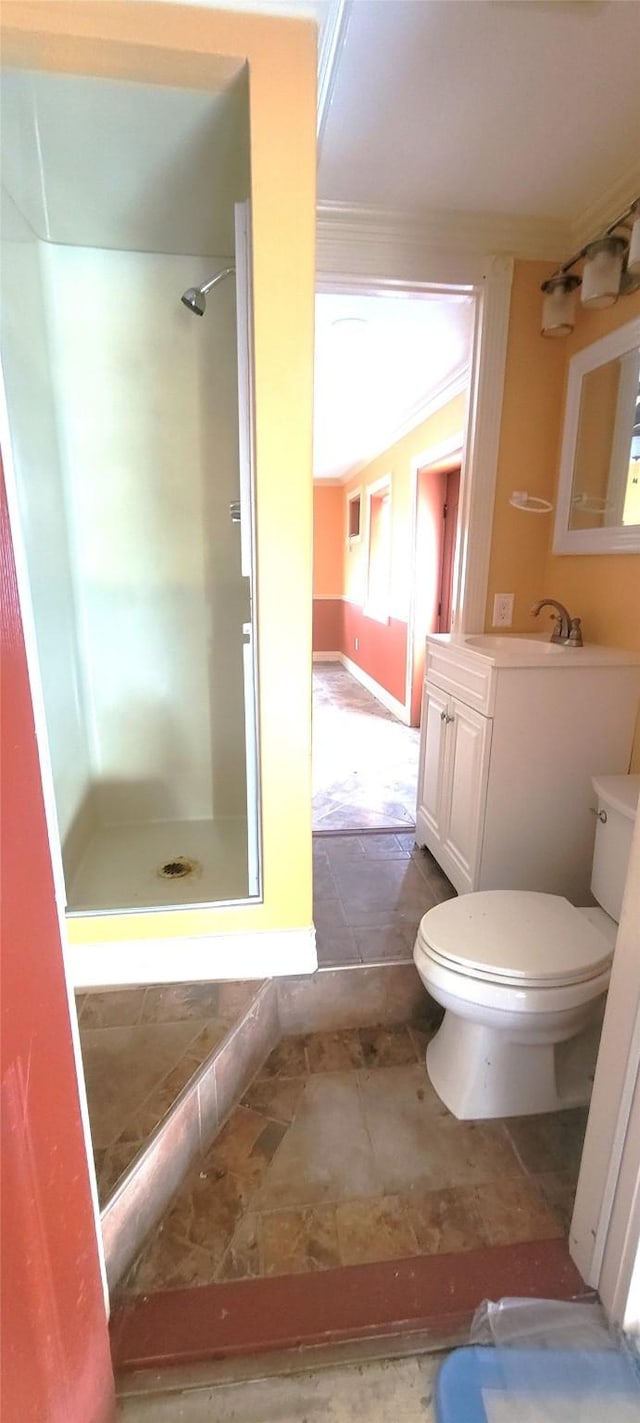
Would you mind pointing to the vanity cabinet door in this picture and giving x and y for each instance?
(464, 792)
(431, 774)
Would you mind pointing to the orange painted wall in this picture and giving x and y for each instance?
(602, 589)
(527, 453)
(328, 540)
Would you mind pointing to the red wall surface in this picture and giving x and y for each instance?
(56, 1366)
(327, 624)
(382, 647)
(381, 651)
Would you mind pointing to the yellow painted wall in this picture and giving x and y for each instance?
(527, 451)
(328, 540)
(603, 589)
(398, 462)
(186, 45)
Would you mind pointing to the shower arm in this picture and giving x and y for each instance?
(206, 286)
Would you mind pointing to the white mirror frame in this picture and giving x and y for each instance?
(617, 538)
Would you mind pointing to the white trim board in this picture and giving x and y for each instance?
(359, 257)
(382, 695)
(263, 954)
(440, 234)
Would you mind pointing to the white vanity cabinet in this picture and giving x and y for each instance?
(510, 737)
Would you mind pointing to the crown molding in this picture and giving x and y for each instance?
(605, 209)
(332, 41)
(340, 226)
(412, 416)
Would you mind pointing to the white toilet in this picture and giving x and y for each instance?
(522, 977)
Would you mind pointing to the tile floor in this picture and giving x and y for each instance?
(140, 1047)
(365, 761)
(369, 894)
(340, 1153)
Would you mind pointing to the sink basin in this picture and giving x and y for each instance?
(516, 645)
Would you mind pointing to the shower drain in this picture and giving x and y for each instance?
(178, 868)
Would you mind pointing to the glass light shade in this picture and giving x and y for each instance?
(633, 261)
(602, 271)
(559, 305)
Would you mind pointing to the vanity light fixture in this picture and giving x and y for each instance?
(559, 305)
(633, 259)
(611, 269)
(602, 271)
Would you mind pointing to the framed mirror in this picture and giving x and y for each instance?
(598, 506)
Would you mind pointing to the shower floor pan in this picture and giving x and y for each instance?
(160, 865)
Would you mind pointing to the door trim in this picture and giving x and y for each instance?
(449, 450)
(382, 260)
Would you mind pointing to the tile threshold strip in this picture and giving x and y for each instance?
(244, 1368)
(406, 827)
(435, 1295)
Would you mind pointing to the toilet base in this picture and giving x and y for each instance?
(480, 1072)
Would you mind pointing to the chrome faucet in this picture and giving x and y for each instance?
(567, 630)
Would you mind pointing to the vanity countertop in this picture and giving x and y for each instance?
(529, 650)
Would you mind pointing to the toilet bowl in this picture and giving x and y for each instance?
(522, 977)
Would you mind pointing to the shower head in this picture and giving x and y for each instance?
(195, 297)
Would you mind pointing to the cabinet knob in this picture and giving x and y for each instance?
(449, 719)
(601, 814)
(443, 715)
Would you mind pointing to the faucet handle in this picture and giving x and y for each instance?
(575, 633)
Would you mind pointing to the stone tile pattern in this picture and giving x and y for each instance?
(365, 761)
(369, 895)
(140, 1047)
(341, 1153)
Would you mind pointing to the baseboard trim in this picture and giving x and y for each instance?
(391, 703)
(123, 962)
(327, 657)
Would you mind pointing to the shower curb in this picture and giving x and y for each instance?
(185, 1133)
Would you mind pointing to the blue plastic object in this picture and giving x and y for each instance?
(564, 1374)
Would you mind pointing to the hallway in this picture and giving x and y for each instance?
(365, 761)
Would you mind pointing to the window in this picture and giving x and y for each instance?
(353, 516)
(379, 559)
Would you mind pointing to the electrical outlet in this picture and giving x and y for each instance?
(503, 610)
(356, 644)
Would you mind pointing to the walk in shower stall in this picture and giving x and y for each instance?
(127, 431)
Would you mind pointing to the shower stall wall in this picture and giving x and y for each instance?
(124, 424)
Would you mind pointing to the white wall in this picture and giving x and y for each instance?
(146, 395)
(34, 441)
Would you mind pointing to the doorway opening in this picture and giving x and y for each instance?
(392, 373)
(436, 525)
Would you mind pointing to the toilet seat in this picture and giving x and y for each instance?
(516, 938)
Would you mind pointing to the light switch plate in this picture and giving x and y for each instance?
(503, 610)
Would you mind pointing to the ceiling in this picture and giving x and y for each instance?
(379, 361)
(487, 107)
(479, 112)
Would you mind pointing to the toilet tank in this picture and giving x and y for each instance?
(617, 803)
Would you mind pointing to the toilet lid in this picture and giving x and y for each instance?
(516, 936)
